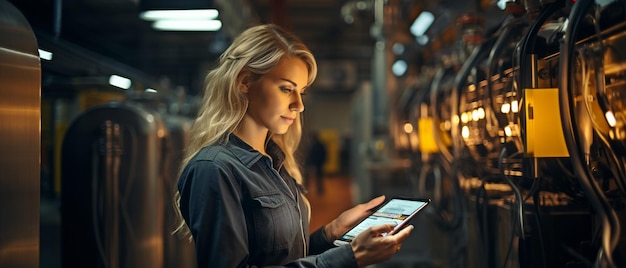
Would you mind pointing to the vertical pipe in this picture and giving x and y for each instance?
(534, 83)
(278, 14)
(58, 13)
(379, 71)
(110, 165)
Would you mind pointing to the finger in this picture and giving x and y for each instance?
(374, 202)
(402, 234)
(383, 228)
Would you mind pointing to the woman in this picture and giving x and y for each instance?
(240, 190)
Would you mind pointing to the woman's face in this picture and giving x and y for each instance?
(275, 100)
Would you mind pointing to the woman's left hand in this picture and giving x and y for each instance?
(350, 217)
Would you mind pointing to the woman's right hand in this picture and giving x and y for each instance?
(372, 247)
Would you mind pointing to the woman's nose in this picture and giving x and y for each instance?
(297, 104)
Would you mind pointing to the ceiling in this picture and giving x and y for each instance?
(92, 38)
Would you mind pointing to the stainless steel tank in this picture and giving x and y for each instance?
(20, 111)
(118, 173)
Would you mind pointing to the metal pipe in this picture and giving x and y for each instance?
(57, 16)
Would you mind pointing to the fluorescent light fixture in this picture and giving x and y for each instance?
(46, 55)
(502, 3)
(119, 81)
(397, 48)
(603, 3)
(150, 90)
(422, 39)
(399, 68)
(187, 25)
(422, 23)
(186, 14)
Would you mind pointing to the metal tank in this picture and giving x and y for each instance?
(178, 250)
(20, 111)
(118, 177)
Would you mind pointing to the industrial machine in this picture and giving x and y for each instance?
(534, 117)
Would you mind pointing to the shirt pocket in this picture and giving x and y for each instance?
(273, 223)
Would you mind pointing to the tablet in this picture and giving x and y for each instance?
(396, 210)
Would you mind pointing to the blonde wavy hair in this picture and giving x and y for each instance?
(257, 50)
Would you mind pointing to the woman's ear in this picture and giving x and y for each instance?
(243, 81)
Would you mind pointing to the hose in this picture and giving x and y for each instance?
(608, 217)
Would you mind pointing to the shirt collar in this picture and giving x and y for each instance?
(249, 156)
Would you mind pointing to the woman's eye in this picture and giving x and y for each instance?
(285, 89)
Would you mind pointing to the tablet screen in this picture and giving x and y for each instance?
(395, 211)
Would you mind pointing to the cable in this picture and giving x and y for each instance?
(460, 82)
(482, 219)
(510, 247)
(529, 41)
(442, 74)
(595, 61)
(539, 221)
(608, 218)
(516, 192)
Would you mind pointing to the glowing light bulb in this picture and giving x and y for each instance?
(408, 128)
(475, 115)
(507, 131)
(465, 132)
(465, 118)
(514, 106)
(610, 118)
(506, 108)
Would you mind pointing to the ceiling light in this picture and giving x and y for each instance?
(187, 25)
(422, 40)
(399, 68)
(397, 48)
(422, 23)
(188, 14)
(46, 55)
(175, 4)
(119, 81)
(502, 3)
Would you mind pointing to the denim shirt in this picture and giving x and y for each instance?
(245, 210)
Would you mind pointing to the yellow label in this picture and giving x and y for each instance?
(544, 133)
